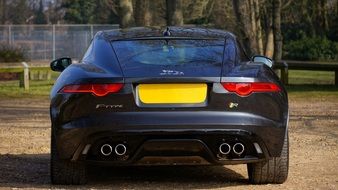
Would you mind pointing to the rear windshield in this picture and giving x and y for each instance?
(137, 53)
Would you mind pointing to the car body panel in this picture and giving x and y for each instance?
(85, 120)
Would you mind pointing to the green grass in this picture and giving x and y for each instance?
(11, 89)
(38, 89)
(19, 69)
(311, 84)
(312, 91)
(311, 77)
(303, 84)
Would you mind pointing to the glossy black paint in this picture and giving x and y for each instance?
(77, 122)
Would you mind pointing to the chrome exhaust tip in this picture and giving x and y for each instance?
(238, 148)
(106, 149)
(120, 149)
(224, 148)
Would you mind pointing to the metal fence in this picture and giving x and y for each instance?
(47, 42)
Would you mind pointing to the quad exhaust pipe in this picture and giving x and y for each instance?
(225, 148)
(238, 148)
(119, 149)
(106, 149)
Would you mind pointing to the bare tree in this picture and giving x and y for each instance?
(3, 4)
(278, 39)
(143, 15)
(174, 14)
(158, 13)
(197, 9)
(268, 27)
(257, 20)
(243, 18)
(222, 15)
(126, 13)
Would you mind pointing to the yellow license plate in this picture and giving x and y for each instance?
(172, 93)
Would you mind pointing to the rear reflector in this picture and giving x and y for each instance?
(245, 89)
(96, 89)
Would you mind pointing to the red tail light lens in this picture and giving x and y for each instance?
(245, 89)
(96, 89)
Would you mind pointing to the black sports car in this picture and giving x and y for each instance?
(168, 96)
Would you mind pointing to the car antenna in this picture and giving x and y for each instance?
(167, 33)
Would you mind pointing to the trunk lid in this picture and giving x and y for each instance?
(171, 72)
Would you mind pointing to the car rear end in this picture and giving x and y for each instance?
(180, 101)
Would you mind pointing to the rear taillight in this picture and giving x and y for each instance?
(245, 89)
(96, 89)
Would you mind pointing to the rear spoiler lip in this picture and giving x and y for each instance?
(167, 38)
(149, 80)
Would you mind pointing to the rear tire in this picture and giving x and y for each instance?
(275, 170)
(65, 172)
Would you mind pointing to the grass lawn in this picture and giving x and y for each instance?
(311, 84)
(311, 77)
(38, 89)
(303, 84)
(312, 91)
(11, 89)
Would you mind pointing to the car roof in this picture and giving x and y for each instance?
(175, 31)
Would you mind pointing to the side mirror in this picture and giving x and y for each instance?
(60, 64)
(262, 59)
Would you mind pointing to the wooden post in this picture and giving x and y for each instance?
(24, 77)
(336, 77)
(49, 75)
(31, 75)
(91, 31)
(40, 75)
(53, 32)
(285, 73)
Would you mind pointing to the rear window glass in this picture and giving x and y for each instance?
(169, 52)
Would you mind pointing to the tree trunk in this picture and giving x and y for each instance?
(258, 28)
(222, 15)
(142, 13)
(2, 11)
(242, 13)
(253, 19)
(125, 13)
(197, 9)
(209, 9)
(325, 16)
(174, 12)
(278, 39)
(268, 18)
(269, 45)
(308, 19)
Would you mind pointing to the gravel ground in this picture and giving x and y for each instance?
(24, 154)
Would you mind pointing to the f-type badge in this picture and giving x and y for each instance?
(108, 106)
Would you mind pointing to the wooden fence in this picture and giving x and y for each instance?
(287, 65)
(43, 72)
(27, 71)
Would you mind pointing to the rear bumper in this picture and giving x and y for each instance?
(150, 135)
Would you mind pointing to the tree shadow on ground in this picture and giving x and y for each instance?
(32, 171)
